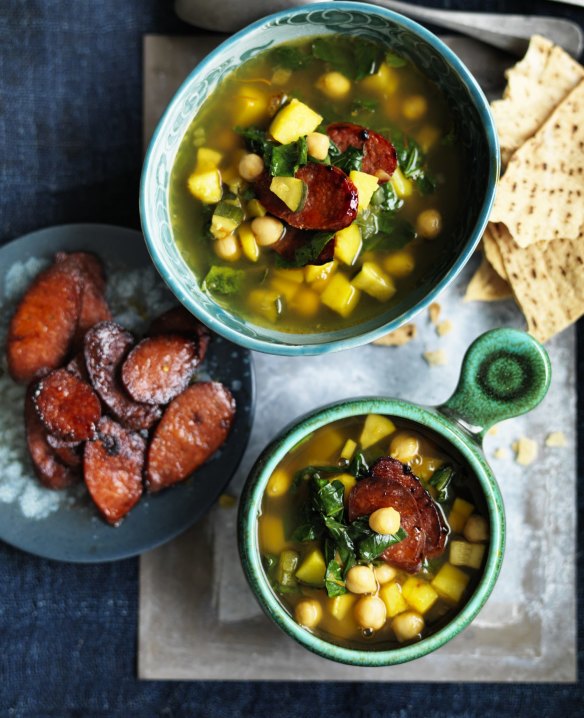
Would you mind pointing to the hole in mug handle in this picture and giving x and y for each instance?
(505, 373)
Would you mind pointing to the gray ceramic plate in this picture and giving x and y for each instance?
(73, 531)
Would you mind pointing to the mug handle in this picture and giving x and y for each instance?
(505, 373)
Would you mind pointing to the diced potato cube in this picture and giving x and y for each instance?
(375, 428)
(459, 513)
(292, 275)
(250, 105)
(340, 295)
(427, 466)
(271, 532)
(312, 569)
(401, 184)
(463, 553)
(206, 186)
(266, 303)
(248, 242)
(399, 264)
(348, 449)
(427, 137)
(348, 481)
(329, 444)
(348, 244)
(284, 287)
(315, 272)
(293, 121)
(366, 185)
(340, 606)
(306, 302)
(384, 81)
(419, 594)
(255, 208)
(279, 483)
(207, 159)
(450, 583)
(391, 595)
(373, 281)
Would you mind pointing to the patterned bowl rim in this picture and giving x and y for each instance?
(254, 339)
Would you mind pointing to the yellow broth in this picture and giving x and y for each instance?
(394, 99)
(436, 593)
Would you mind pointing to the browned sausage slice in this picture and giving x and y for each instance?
(68, 452)
(378, 152)
(331, 199)
(368, 495)
(67, 406)
(51, 472)
(179, 321)
(433, 521)
(105, 348)
(112, 467)
(43, 326)
(192, 428)
(294, 239)
(159, 368)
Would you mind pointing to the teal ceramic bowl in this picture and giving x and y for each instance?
(505, 373)
(475, 129)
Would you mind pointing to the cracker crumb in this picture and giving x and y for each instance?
(227, 501)
(501, 453)
(399, 337)
(434, 311)
(436, 358)
(494, 430)
(556, 439)
(444, 328)
(525, 450)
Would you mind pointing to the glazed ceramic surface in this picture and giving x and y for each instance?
(505, 373)
(475, 130)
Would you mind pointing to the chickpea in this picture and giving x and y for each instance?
(370, 612)
(404, 447)
(334, 85)
(429, 223)
(281, 76)
(384, 573)
(250, 167)
(414, 107)
(361, 579)
(385, 521)
(476, 529)
(308, 613)
(228, 248)
(318, 145)
(267, 230)
(407, 625)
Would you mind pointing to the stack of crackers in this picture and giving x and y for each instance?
(533, 248)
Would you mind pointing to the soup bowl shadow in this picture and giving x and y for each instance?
(475, 132)
(505, 373)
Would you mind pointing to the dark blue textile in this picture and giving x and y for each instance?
(70, 150)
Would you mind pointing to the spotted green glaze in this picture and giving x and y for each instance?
(475, 132)
(505, 373)
(520, 394)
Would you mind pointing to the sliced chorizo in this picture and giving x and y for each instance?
(44, 324)
(371, 494)
(433, 521)
(331, 199)
(294, 240)
(51, 472)
(105, 348)
(179, 321)
(193, 427)
(159, 368)
(68, 452)
(67, 406)
(112, 468)
(378, 152)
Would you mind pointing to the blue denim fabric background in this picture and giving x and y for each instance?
(70, 150)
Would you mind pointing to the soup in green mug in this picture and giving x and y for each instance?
(317, 185)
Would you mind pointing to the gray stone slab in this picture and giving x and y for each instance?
(198, 618)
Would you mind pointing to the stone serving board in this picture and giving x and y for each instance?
(198, 618)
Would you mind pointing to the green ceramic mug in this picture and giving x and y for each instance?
(505, 373)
